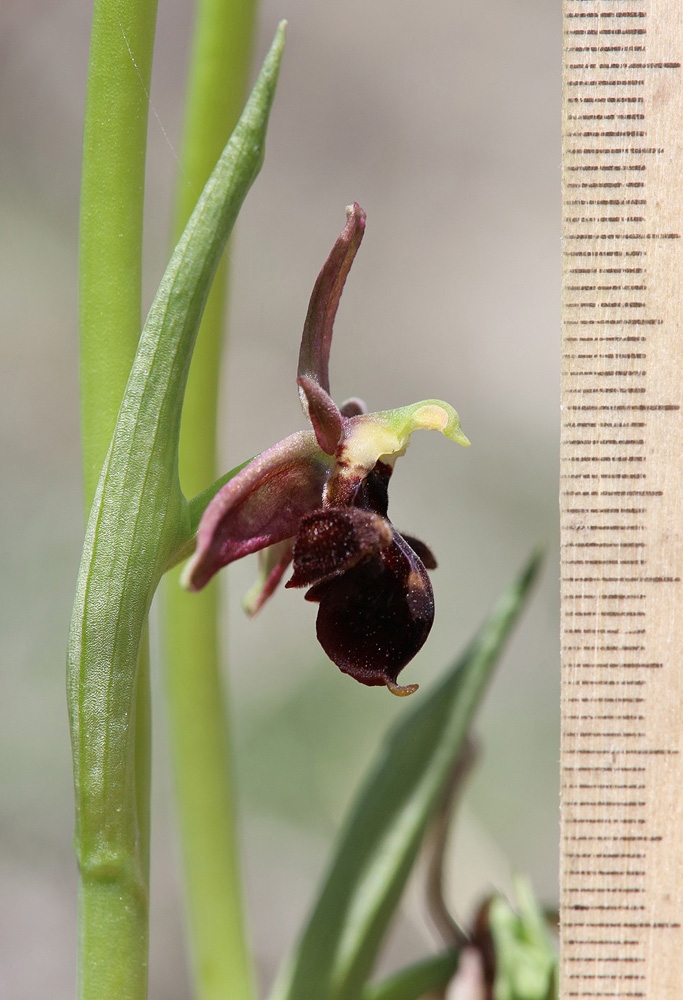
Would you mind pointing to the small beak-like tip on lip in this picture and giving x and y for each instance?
(402, 690)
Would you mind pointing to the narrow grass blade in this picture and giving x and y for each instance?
(382, 837)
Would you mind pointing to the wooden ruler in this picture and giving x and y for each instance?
(622, 500)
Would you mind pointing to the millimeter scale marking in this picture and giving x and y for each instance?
(622, 501)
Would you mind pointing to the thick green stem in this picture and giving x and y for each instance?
(113, 897)
(114, 887)
(204, 789)
(198, 724)
(112, 192)
(217, 86)
(143, 753)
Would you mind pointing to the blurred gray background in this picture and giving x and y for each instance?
(443, 124)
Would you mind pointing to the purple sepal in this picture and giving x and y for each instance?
(263, 504)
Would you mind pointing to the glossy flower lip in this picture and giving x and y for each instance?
(318, 500)
(375, 598)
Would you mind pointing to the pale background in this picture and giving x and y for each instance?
(444, 125)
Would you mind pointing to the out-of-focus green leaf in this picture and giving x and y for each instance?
(525, 958)
(431, 975)
(382, 837)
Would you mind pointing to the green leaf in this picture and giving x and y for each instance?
(525, 957)
(431, 975)
(138, 520)
(382, 837)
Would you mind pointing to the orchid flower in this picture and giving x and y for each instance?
(318, 500)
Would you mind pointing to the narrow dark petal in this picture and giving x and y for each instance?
(323, 413)
(314, 355)
(263, 504)
(374, 618)
(330, 542)
(421, 550)
(353, 407)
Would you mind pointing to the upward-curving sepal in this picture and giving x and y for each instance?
(314, 354)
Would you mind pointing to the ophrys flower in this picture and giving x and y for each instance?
(319, 499)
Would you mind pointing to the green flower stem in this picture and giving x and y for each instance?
(138, 521)
(114, 900)
(217, 85)
(112, 191)
(198, 720)
(110, 261)
(204, 790)
(143, 753)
